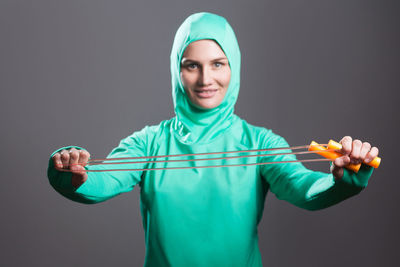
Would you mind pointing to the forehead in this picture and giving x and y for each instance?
(203, 50)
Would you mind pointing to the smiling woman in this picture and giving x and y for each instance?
(205, 73)
(207, 216)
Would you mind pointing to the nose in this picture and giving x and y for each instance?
(205, 77)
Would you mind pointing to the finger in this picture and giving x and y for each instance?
(365, 148)
(65, 158)
(73, 157)
(356, 151)
(57, 161)
(342, 161)
(83, 157)
(346, 145)
(78, 169)
(373, 153)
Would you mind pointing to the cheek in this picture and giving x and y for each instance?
(183, 79)
(226, 78)
(188, 79)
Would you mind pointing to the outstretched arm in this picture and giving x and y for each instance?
(314, 190)
(93, 187)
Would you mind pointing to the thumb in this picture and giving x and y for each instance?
(79, 175)
(337, 166)
(336, 171)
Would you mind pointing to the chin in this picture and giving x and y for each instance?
(206, 105)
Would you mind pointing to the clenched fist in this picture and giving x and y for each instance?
(354, 151)
(73, 160)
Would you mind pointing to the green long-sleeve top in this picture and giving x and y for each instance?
(207, 217)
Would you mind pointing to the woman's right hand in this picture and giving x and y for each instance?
(73, 160)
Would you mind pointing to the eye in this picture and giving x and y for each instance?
(218, 65)
(192, 66)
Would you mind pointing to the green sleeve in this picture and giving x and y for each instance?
(308, 189)
(101, 186)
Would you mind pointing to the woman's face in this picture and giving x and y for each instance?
(205, 73)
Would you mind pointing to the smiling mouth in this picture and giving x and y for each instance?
(205, 93)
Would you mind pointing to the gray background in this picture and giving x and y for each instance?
(89, 73)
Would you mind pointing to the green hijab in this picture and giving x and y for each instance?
(192, 124)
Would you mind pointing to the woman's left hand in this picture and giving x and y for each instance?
(354, 151)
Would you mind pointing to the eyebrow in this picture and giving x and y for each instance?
(184, 60)
(221, 58)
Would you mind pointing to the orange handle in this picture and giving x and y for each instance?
(335, 145)
(314, 146)
(333, 154)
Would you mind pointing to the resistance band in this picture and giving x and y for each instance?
(329, 151)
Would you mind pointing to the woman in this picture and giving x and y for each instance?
(207, 217)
